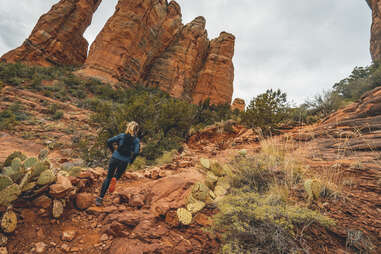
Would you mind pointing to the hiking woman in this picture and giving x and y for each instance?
(128, 148)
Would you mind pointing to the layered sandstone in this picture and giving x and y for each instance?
(175, 71)
(57, 39)
(145, 42)
(138, 32)
(215, 80)
(375, 37)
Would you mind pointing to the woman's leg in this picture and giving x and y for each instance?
(121, 169)
(111, 171)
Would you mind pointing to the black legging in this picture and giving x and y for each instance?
(114, 164)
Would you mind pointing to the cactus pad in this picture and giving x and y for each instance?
(10, 158)
(43, 154)
(75, 171)
(9, 194)
(313, 188)
(217, 169)
(205, 163)
(30, 162)
(211, 180)
(26, 179)
(195, 207)
(220, 191)
(58, 208)
(16, 164)
(38, 168)
(185, 217)
(9, 221)
(5, 181)
(29, 186)
(46, 177)
(200, 191)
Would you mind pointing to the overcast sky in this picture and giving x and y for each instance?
(299, 46)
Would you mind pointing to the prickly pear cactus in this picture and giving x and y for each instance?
(26, 178)
(211, 180)
(200, 191)
(10, 158)
(29, 186)
(58, 208)
(220, 191)
(205, 163)
(195, 207)
(16, 164)
(9, 221)
(46, 177)
(75, 171)
(313, 188)
(185, 217)
(30, 162)
(190, 199)
(217, 169)
(43, 154)
(39, 167)
(5, 181)
(223, 182)
(9, 194)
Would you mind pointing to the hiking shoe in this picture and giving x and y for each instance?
(99, 201)
(112, 185)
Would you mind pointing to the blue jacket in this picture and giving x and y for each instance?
(119, 140)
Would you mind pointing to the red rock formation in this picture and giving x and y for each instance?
(375, 38)
(58, 36)
(137, 33)
(175, 71)
(238, 104)
(216, 78)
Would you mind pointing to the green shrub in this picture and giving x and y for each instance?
(266, 111)
(11, 115)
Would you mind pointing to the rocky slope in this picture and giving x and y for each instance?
(375, 38)
(58, 36)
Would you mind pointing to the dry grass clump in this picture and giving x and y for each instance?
(259, 215)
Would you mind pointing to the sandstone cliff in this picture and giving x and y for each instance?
(145, 42)
(137, 33)
(175, 71)
(58, 36)
(375, 37)
(216, 78)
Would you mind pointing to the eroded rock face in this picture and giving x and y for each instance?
(145, 42)
(216, 78)
(375, 38)
(175, 71)
(239, 104)
(137, 33)
(57, 39)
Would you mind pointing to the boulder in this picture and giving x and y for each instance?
(84, 200)
(61, 188)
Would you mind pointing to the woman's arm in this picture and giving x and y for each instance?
(113, 140)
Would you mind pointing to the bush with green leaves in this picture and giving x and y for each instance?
(12, 115)
(266, 111)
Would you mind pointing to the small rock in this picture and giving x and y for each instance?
(3, 240)
(57, 208)
(68, 236)
(3, 250)
(42, 202)
(103, 238)
(84, 200)
(65, 247)
(40, 247)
